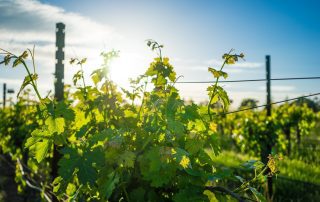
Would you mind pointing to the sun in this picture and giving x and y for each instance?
(120, 70)
(127, 65)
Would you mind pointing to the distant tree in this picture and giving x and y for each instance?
(248, 103)
(313, 104)
(188, 101)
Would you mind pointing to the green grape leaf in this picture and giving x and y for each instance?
(56, 184)
(152, 71)
(6, 59)
(159, 80)
(127, 159)
(81, 162)
(38, 134)
(84, 60)
(181, 156)
(31, 141)
(257, 194)
(230, 59)
(176, 127)
(211, 196)
(41, 149)
(24, 55)
(95, 78)
(99, 137)
(97, 75)
(40, 142)
(27, 80)
(55, 124)
(191, 112)
(223, 96)
(193, 145)
(71, 189)
(16, 62)
(214, 72)
(64, 111)
(77, 76)
(217, 74)
(224, 74)
(107, 183)
(156, 167)
(173, 104)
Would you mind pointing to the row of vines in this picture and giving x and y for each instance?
(137, 144)
(285, 129)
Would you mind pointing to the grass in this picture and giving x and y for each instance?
(289, 168)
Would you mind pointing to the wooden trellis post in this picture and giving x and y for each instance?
(59, 74)
(268, 108)
(58, 87)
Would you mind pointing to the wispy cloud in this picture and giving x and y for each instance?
(239, 64)
(280, 88)
(25, 23)
(32, 21)
(196, 70)
(192, 64)
(10, 81)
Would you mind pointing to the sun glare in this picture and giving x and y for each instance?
(120, 70)
(127, 65)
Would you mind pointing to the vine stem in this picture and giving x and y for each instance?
(227, 191)
(29, 184)
(142, 102)
(215, 85)
(27, 69)
(250, 181)
(32, 82)
(84, 84)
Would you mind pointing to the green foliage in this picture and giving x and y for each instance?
(216, 93)
(285, 129)
(302, 178)
(158, 150)
(248, 103)
(289, 168)
(27, 80)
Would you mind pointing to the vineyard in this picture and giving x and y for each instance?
(105, 143)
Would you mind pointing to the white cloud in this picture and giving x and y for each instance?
(194, 65)
(25, 23)
(279, 88)
(10, 81)
(239, 64)
(30, 20)
(248, 65)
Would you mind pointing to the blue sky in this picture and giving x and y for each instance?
(195, 35)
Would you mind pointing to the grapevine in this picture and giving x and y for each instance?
(114, 149)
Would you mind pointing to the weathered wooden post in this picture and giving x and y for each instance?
(4, 95)
(268, 108)
(58, 87)
(59, 74)
(268, 85)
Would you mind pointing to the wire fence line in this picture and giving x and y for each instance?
(258, 80)
(251, 80)
(273, 103)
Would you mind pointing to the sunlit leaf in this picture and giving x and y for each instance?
(27, 80)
